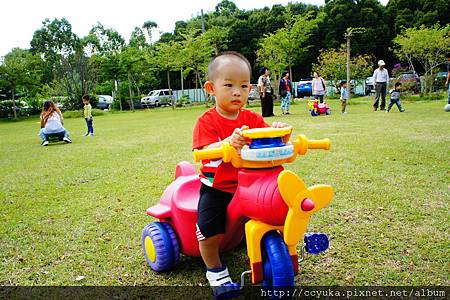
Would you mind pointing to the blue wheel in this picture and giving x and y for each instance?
(277, 264)
(160, 246)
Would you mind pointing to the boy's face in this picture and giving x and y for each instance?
(230, 86)
(85, 101)
(344, 85)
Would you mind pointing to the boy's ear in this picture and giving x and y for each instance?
(209, 87)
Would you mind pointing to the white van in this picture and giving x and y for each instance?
(104, 101)
(158, 98)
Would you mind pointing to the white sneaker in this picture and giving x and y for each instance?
(45, 143)
(67, 140)
(92, 134)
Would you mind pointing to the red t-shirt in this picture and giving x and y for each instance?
(212, 128)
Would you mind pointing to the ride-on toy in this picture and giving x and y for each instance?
(317, 109)
(271, 204)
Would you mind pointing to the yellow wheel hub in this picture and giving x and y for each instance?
(150, 249)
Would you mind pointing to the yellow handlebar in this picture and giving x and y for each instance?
(302, 144)
(319, 144)
(229, 154)
(213, 153)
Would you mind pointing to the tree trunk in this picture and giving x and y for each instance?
(203, 90)
(182, 82)
(291, 76)
(131, 95)
(14, 102)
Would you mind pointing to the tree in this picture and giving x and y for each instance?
(19, 68)
(332, 65)
(149, 26)
(77, 75)
(54, 41)
(101, 40)
(286, 46)
(137, 39)
(427, 46)
(218, 37)
(197, 52)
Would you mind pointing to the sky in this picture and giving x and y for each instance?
(21, 18)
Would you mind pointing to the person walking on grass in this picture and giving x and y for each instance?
(395, 97)
(285, 93)
(381, 81)
(229, 82)
(52, 123)
(344, 96)
(88, 115)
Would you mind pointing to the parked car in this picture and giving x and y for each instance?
(104, 101)
(158, 98)
(410, 81)
(304, 87)
(369, 86)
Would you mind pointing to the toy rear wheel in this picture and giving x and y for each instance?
(277, 264)
(160, 246)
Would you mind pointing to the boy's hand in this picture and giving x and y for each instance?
(282, 125)
(237, 140)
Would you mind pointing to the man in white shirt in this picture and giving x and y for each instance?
(381, 81)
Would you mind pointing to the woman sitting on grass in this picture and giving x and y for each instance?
(52, 123)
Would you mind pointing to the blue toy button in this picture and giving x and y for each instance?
(267, 143)
(316, 242)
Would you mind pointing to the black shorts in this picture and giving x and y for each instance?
(212, 212)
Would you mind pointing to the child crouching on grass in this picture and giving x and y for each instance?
(229, 81)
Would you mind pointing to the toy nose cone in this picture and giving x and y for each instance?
(307, 204)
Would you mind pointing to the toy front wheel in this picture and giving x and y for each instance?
(277, 264)
(160, 246)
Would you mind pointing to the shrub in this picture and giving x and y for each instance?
(79, 113)
(6, 108)
(183, 101)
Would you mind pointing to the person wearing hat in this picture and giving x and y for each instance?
(381, 81)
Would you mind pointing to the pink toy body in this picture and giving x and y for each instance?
(256, 198)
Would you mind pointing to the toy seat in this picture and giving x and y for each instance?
(54, 137)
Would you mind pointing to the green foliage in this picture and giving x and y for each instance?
(332, 65)
(428, 46)
(101, 40)
(287, 45)
(79, 113)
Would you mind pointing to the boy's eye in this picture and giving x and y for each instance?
(244, 86)
(228, 85)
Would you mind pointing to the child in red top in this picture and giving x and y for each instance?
(229, 81)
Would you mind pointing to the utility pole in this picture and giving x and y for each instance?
(348, 36)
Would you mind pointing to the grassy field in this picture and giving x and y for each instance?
(73, 214)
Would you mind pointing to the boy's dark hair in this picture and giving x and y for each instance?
(86, 97)
(447, 55)
(343, 82)
(212, 66)
(398, 84)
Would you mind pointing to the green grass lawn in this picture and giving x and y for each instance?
(78, 210)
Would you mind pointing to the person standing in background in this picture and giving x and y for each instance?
(266, 92)
(318, 87)
(381, 82)
(285, 92)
